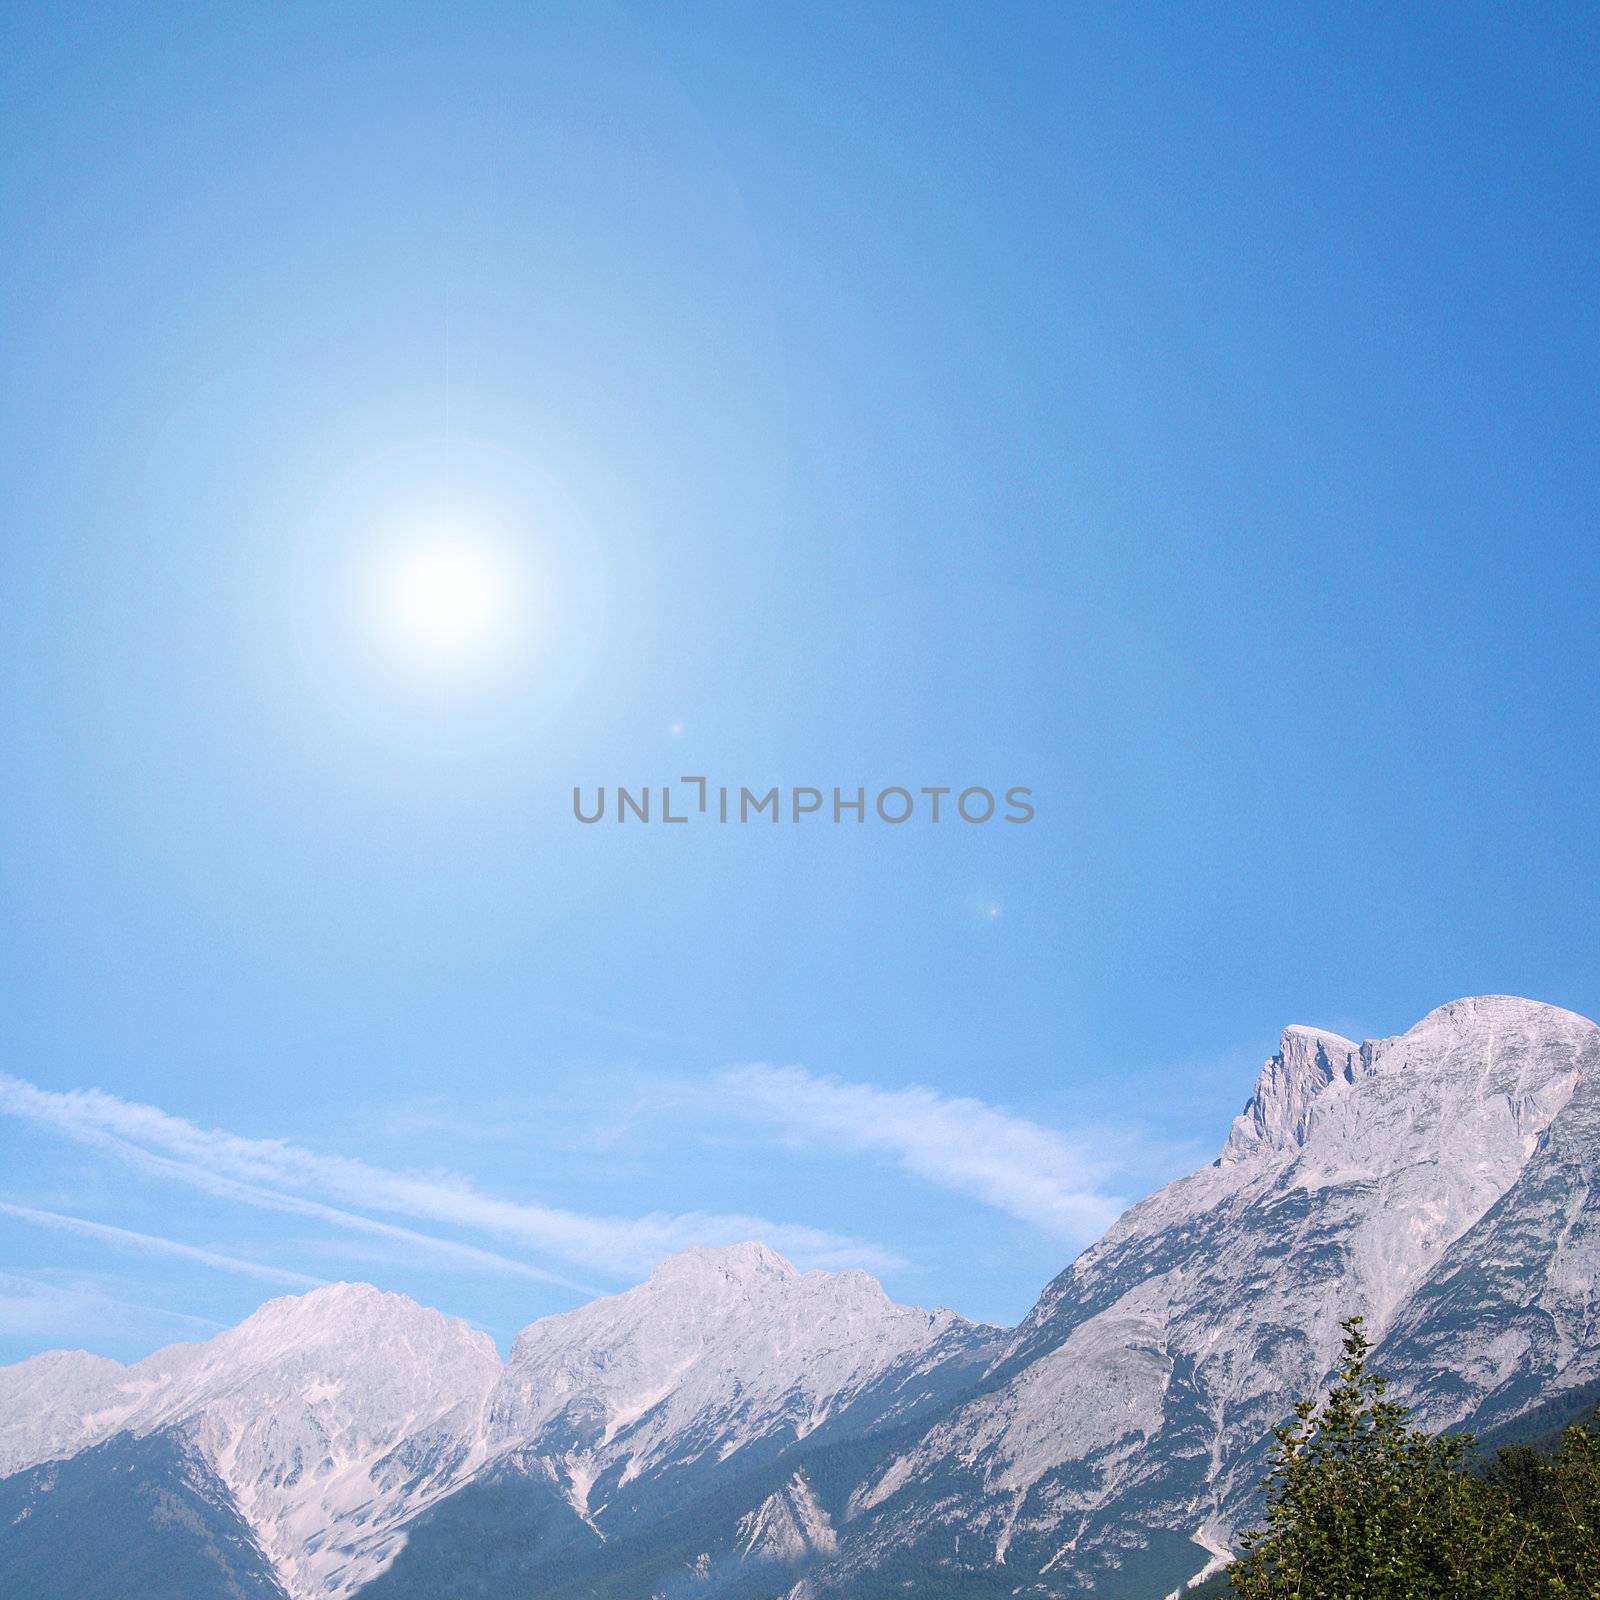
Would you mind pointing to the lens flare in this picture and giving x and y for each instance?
(448, 605)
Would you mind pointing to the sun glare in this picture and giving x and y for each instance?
(448, 605)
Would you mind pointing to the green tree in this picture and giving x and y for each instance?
(1362, 1506)
(1565, 1512)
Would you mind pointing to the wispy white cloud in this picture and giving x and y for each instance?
(155, 1244)
(277, 1175)
(1005, 1161)
(50, 1307)
(1038, 1174)
(437, 1251)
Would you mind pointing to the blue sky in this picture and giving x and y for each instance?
(1185, 412)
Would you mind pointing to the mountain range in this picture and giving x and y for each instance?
(733, 1427)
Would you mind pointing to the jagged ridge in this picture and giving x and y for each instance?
(732, 1418)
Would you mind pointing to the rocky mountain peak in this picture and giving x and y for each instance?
(43, 1402)
(1506, 1018)
(391, 1359)
(750, 1263)
(1441, 1182)
(1449, 1040)
(339, 1301)
(1277, 1114)
(732, 1344)
(344, 1410)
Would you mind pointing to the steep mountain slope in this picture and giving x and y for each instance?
(1511, 1313)
(721, 1356)
(144, 1517)
(1440, 1183)
(733, 1427)
(330, 1419)
(649, 1435)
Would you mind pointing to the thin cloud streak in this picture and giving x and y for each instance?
(276, 1174)
(32, 1307)
(446, 1251)
(1020, 1167)
(156, 1244)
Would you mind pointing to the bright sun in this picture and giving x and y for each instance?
(449, 604)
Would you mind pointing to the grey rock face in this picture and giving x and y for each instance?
(657, 1438)
(1440, 1184)
(718, 1354)
(330, 1419)
(1511, 1312)
(734, 1427)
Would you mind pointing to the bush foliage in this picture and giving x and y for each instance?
(1361, 1505)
